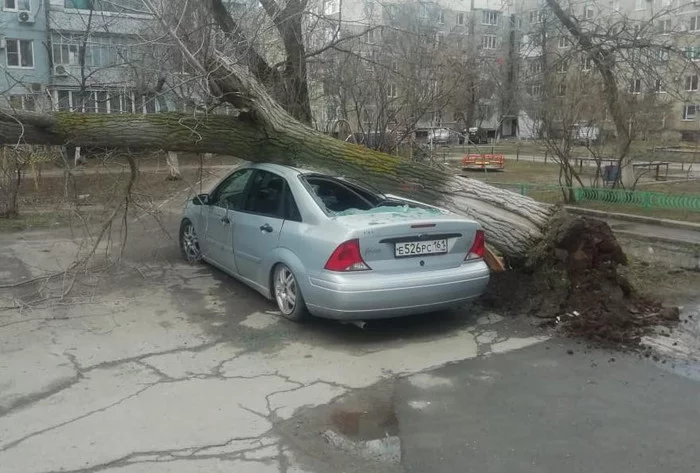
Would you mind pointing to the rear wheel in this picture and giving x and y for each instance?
(287, 293)
(189, 243)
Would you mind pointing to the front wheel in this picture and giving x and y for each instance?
(287, 294)
(189, 243)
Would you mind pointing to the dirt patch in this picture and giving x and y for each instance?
(573, 283)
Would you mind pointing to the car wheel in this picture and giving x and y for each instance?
(287, 293)
(189, 243)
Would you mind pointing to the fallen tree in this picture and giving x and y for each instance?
(513, 223)
(564, 259)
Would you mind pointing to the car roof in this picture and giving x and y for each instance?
(283, 169)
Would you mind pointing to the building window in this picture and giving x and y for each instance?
(563, 66)
(691, 83)
(640, 4)
(370, 36)
(535, 67)
(23, 102)
(19, 53)
(395, 65)
(103, 101)
(658, 88)
(392, 91)
(439, 39)
(635, 86)
(441, 17)
(489, 17)
(460, 18)
(423, 10)
(665, 26)
(536, 90)
(588, 64)
(489, 41)
(535, 16)
(694, 23)
(17, 5)
(331, 7)
(561, 90)
(563, 42)
(689, 112)
(692, 53)
(588, 12)
(662, 54)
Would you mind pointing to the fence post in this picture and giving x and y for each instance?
(646, 200)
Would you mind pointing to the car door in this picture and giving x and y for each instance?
(258, 225)
(219, 219)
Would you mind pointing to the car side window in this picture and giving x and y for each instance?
(265, 195)
(230, 192)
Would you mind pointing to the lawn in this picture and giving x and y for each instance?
(542, 180)
(640, 150)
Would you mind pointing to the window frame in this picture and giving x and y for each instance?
(459, 19)
(635, 86)
(17, 6)
(489, 40)
(691, 83)
(19, 53)
(248, 192)
(490, 17)
(686, 117)
(226, 180)
(694, 23)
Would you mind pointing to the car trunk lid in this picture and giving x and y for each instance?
(400, 239)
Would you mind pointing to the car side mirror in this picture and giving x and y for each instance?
(201, 199)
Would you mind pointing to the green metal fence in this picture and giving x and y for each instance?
(642, 199)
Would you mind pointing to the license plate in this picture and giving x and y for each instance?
(420, 248)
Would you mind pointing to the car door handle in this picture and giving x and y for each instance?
(225, 220)
(266, 228)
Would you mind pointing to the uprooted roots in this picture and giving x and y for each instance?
(571, 280)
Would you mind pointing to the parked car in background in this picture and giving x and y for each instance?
(333, 248)
(441, 136)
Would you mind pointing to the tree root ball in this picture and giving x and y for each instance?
(570, 280)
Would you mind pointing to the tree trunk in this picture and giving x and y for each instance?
(173, 166)
(513, 223)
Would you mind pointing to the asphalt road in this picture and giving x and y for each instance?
(154, 365)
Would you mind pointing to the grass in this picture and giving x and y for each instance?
(546, 175)
(640, 150)
(35, 220)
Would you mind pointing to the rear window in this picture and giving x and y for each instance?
(335, 196)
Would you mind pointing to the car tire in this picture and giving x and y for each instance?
(287, 294)
(189, 242)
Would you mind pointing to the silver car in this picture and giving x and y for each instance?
(332, 247)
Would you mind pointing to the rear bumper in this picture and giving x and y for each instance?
(363, 296)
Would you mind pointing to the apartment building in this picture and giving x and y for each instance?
(23, 54)
(79, 55)
(476, 40)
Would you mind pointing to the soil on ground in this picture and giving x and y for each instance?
(572, 282)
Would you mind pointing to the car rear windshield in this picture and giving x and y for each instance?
(338, 196)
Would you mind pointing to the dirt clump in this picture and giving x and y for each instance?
(571, 281)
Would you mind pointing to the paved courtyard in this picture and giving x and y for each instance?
(156, 365)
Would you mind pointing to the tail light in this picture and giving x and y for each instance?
(478, 247)
(347, 257)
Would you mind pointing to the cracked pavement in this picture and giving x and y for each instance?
(159, 366)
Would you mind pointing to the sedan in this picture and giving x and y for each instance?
(331, 247)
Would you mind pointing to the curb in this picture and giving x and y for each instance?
(635, 218)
